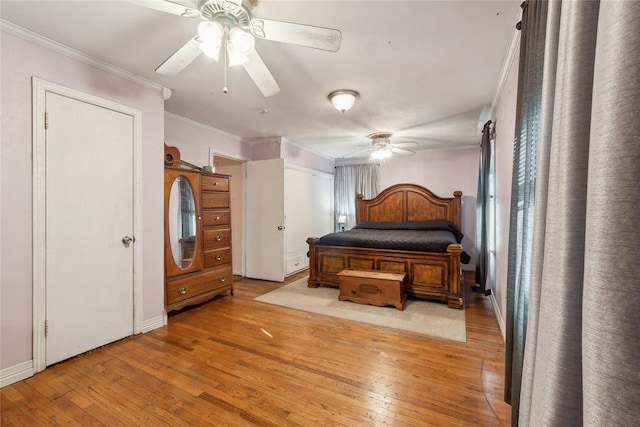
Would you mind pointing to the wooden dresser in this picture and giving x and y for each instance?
(197, 237)
(216, 224)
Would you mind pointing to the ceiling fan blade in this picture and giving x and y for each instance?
(299, 34)
(261, 75)
(177, 7)
(402, 151)
(404, 144)
(181, 58)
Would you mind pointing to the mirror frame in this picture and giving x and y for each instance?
(171, 268)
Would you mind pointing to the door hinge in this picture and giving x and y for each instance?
(46, 120)
(46, 328)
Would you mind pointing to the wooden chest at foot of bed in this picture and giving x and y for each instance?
(373, 287)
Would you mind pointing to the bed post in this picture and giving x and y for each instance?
(314, 274)
(359, 208)
(457, 209)
(455, 293)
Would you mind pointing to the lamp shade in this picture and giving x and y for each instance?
(241, 41)
(343, 99)
(342, 219)
(211, 32)
(381, 154)
(211, 50)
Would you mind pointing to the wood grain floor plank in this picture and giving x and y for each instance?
(235, 362)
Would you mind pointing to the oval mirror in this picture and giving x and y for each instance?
(182, 222)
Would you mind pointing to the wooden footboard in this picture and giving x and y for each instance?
(431, 275)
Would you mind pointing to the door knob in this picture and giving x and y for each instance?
(126, 240)
(280, 227)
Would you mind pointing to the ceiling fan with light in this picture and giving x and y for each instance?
(382, 148)
(227, 31)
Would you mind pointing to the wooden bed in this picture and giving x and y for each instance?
(431, 275)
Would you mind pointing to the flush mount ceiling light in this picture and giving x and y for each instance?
(343, 99)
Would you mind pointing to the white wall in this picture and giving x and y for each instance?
(296, 155)
(293, 154)
(266, 149)
(194, 139)
(21, 60)
(442, 171)
(505, 118)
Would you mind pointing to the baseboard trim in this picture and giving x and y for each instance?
(496, 310)
(154, 323)
(16, 373)
(25, 370)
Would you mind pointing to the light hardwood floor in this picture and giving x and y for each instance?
(234, 362)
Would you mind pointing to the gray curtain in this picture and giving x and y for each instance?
(351, 180)
(523, 185)
(582, 348)
(482, 210)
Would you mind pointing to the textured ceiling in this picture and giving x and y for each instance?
(424, 69)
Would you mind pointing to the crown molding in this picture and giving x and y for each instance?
(55, 46)
(257, 140)
(203, 126)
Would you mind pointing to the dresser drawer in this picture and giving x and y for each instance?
(215, 217)
(217, 238)
(215, 183)
(211, 199)
(197, 284)
(216, 257)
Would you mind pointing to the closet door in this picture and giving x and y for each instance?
(309, 213)
(265, 220)
(322, 202)
(299, 212)
(89, 226)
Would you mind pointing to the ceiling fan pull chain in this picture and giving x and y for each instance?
(226, 57)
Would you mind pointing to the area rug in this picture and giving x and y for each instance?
(421, 317)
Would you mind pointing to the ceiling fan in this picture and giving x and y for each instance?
(382, 148)
(228, 30)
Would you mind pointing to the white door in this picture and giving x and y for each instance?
(299, 211)
(265, 220)
(89, 210)
(322, 202)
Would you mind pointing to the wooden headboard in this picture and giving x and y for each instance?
(409, 202)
